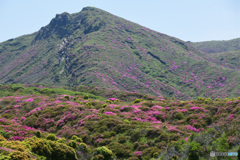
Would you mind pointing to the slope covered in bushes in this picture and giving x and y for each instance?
(58, 126)
(94, 47)
(218, 46)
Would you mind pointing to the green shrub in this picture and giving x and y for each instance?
(17, 155)
(194, 151)
(62, 140)
(119, 150)
(5, 134)
(108, 101)
(102, 129)
(165, 128)
(155, 155)
(67, 97)
(149, 104)
(2, 138)
(108, 134)
(73, 144)
(61, 151)
(149, 152)
(39, 146)
(122, 139)
(98, 157)
(116, 101)
(108, 154)
(4, 157)
(179, 116)
(208, 100)
(83, 147)
(51, 149)
(104, 105)
(51, 137)
(77, 139)
(137, 100)
(89, 104)
(126, 121)
(192, 136)
(38, 134)
(85, 97)
(200, 99)
(221, 144)
(102, 110)
(174, 157)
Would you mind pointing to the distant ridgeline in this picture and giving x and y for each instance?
(96, 48)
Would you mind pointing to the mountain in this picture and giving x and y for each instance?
(96, 48)
(224, 53)
(217, 46)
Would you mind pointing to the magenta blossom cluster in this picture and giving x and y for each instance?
(28, 100)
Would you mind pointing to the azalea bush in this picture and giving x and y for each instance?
(56, 126)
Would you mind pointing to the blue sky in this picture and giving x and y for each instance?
(189, 20)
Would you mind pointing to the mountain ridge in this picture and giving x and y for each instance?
(94, 47)
(218, 46)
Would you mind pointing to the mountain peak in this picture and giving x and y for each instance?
(65, 24)
(90, 9)
(94, 47)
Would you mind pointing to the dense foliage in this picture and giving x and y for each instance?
(77, 126)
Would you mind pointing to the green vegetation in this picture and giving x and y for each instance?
(95, 48)
(130, 93)
(44, 126)
(218, 46)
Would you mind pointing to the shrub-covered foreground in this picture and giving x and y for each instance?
(73, 126)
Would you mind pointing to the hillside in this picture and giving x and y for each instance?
(217, 46)
(61, 124)
(96, 48)
(224, 53)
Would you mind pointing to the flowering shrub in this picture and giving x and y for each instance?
(198, 108)
(28, 100)
(110, 113)
(138, 153)
(146, 127)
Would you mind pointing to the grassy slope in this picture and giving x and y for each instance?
(136, 130)
(226, 59)
(96, 48)
(217, 46)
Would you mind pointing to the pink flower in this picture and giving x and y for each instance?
(138, 153)
(6, 149)
(57, 101)
(19, 138)
(231, 116)
(185, 139)
(112, 99)
(157, 107)
(173, 128)
(188, 127)
(28, 100)
(183, 110)
(16, 106)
